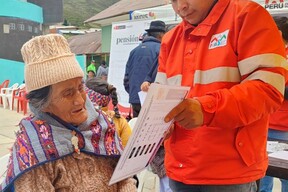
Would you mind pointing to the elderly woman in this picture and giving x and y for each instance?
(68, 145)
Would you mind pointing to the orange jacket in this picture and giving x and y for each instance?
(235, 70)
(279, 119)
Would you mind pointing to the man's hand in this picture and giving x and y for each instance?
(188, 114)
(145, 86)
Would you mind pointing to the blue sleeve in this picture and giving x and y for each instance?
(150, 77)
(126, 75)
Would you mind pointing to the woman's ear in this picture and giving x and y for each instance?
(47, 109)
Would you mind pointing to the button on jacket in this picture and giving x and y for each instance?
(234, 62)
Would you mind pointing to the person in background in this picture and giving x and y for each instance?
(223, 51)
(90, 74)
(151, 75)
(102, 71)
(59, 148)
(143, 36)
(100, 93)
(92, 67)
(278, 125)
(140, 61)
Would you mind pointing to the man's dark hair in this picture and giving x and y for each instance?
(155, 34)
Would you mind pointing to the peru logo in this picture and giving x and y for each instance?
(275, 4)
(273, 1)
(219, 40)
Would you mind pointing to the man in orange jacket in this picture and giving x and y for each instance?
(224, 51)
(278, 125)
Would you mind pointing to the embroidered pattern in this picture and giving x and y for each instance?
(109, 141)
(45, 136)
(25, 157)
(96, 135)
(10, 171)
(96, 98)
(25, 154)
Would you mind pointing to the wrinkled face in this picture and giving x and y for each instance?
(67, 101)
(193, 11)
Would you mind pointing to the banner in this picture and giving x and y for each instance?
(125, 37)
(274, 7)
(164, 13)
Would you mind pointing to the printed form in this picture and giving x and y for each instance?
(149, 130)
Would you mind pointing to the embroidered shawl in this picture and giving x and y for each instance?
(42, 139)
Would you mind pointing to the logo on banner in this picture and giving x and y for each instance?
(118, 27)
(275, 4)
(128, 40)
(274, 1)
(219, 40)
(150, 15)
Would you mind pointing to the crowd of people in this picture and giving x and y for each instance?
(237, 100)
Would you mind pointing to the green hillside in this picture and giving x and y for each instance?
(77, 11)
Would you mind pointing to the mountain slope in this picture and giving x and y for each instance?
(77, 11)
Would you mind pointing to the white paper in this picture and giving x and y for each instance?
(142, 95)
(274, 146)
(149, 130)
(281, 155)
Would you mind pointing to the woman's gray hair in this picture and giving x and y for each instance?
(40, 98)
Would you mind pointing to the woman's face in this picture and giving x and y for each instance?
(67, 101)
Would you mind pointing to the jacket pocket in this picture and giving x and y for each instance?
(245, 147)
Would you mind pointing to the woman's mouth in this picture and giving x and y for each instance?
(78, 110)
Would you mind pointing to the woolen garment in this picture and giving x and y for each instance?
(44, 142)
(238, 75)
(139, 63)
(74, 173)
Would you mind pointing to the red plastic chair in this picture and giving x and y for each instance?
(5, 84)
(22, 102)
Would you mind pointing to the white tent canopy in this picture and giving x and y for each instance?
(275, 7)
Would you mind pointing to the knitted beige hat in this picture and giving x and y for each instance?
(48, 61)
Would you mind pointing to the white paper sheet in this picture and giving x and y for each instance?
(142, 95)
(149, 130)
(281, 155)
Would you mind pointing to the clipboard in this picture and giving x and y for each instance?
(148, 132)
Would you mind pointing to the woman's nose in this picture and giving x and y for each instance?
(79, 100)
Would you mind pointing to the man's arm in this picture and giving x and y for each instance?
(126, 75)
